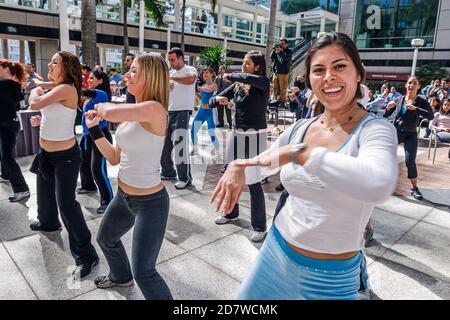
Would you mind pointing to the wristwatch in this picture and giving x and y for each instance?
(295, 150)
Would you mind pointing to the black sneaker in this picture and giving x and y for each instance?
(37, 226)
(163, 177)
(85, 269)
(368, 236)
(103, 282)
(224, 168)
(84, 191)
(416, 193)
(102, 209)
(19, 196)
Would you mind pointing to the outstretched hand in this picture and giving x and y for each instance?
(229, 188)
(92, 118)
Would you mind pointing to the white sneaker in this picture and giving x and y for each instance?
(222, 219)
(182, 184)
(258, 236)
(217, 155)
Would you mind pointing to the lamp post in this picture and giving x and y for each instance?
(169, 20)
(416, 44)
(225, 32)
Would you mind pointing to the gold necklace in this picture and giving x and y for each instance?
(331, 129)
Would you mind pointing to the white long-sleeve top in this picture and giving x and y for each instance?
(440, 121)
(332, 195)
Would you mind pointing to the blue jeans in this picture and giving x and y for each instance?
(203, 115)
(149, 215)
(281, 273)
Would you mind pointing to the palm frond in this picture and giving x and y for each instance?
(212, 57)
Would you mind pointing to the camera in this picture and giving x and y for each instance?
(277, 45)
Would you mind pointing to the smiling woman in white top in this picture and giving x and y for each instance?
(58, 163)
(336, 167)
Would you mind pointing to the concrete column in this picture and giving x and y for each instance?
(219, 19)
(121, 11)
(322, 24)
(5, 49)
(255, 27)
(233, 26)
(264, 33)
(52, 5)
(22, 51)
(298, 30)
(283, 29)
(63, 26)
(77, 50)
(177, 13)
(102, 54)
(45, 49)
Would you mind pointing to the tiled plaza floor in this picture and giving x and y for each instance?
(409, 258)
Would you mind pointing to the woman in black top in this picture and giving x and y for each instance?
(406, 122)
(12, 74)
(250, 94)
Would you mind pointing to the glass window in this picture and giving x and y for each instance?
(295, 6)
(400, 22)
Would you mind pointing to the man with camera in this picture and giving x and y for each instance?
(281, 57)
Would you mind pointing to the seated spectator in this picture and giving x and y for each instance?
(114, 76)
(297, 103)
(115, 90)
(378, 105)
(441, 122)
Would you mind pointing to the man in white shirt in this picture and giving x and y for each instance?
(181, 104)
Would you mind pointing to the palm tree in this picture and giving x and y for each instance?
(270, 34)
(155, 8)
(183, 10)
(89, 33)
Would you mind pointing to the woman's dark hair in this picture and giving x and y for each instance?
(413, 77)
(104, 85)
(441, 109)
(71, 71)
(16, 69)
(210, 70)
(343, 42)
(259, 60)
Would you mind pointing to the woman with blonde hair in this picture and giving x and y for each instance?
(141, 200)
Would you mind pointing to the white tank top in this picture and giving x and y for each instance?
(57, 123)
(140, 155)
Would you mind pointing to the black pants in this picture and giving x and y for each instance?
(93, 171)
(242, 146)
(177, 138)
(220, 110)
(56, 182)
(410, 143)
(10, 169)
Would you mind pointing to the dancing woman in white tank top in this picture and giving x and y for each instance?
(142, 200)
(58, 163)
